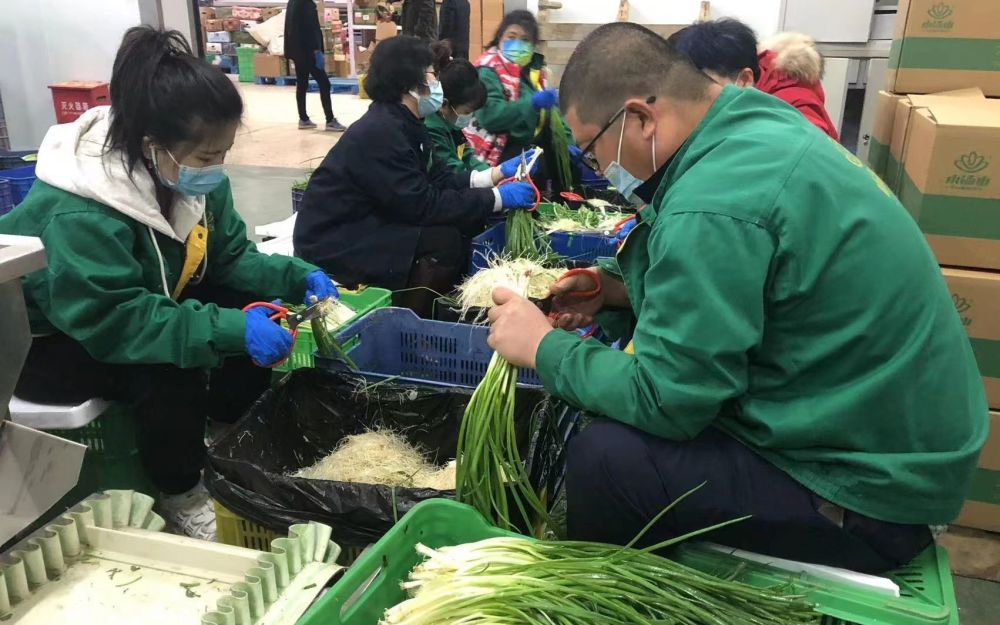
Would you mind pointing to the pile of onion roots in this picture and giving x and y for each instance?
(601, 220)
(477, 290)
(515, 581)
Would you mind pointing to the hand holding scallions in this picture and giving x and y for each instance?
(517, 328)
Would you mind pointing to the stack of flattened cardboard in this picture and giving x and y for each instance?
(936, 143)
(484, 19)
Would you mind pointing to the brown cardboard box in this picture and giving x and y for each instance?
(206, 13)
(492, 12)
(949, 179)
(213, 25)
(940, 46)
(977, 299)
(982, 506)
(232, 24)
(475, 29)
(880, 136)
(268, 65)
(362, 58)
(900, 121)
(385, 30)
(269, 12)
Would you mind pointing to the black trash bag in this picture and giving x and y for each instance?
(304, 418)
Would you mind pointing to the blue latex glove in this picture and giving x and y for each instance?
(320, 61)
(509, 167)
(625, 229)
(517, 195)
(545, 99)
(266, 341)
(319, 286)
(574, 154)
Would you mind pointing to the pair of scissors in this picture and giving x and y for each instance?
(292, 318)
(523, 174)
(546, 304)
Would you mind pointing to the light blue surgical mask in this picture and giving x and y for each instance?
(461, 121)
(190, 180)
(431, 103)
(517, 51)
(624, 182)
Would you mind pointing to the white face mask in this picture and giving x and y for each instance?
(624, 182)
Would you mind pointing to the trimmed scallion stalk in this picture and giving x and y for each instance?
(560, 150)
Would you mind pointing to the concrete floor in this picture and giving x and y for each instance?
(270, 154)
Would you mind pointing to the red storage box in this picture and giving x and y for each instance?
(72, 99)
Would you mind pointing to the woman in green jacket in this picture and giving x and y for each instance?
(518, 100)
(464, 94)
(149, 266)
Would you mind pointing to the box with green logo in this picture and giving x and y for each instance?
(976, 295)
(945, 44)
(982, 504)
(949, 182)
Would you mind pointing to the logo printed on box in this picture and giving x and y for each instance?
(938, 14)
(962, 306)
(971, 164)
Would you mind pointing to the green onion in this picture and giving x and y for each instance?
(520, 233)
(514, 581)
(326, 345)
(560, 150)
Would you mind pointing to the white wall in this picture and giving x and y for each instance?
(763, 16)
(48, 41)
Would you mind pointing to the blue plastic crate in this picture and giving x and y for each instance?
(21, 179)
(6, 197)
(395, 342)
(582, 247)
(490, 243)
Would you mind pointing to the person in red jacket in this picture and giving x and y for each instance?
(787, 65)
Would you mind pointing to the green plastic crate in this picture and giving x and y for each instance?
(112, 459)
(372, 584)
(244, 55)
(362, 301)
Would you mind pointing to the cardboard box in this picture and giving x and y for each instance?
(213, 25)
(901, 116)
(331, 15)
(214, 48)
(220, 36)
(950, 179)
(362, 58)
(880, 136)
(938, 46)
(269, 12)
(206, 13)
(982, 506)
(232, 24)
(977, 299)
(492, 12)
(247, 13)
(222, 13)
(476, 40)
(364, 17)
(385, 30)
(268, 65)
(246, 25)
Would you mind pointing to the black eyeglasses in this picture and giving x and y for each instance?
(587, 156)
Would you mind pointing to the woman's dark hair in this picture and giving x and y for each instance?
(160, 90)
(521, 18)
(398, 65)
(723, 46)
(459, 78)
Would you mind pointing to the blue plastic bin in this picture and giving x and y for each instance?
(6, 197)
(490, 243)
(395, 342)
(582, 247)
(21, 179)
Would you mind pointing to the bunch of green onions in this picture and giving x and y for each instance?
(490, 475)
(515, 581)
(560, 149)
(521, 235)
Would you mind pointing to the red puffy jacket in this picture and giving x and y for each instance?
(790, 69)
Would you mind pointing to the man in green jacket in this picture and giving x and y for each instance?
(795, 344)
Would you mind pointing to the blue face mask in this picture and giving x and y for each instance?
(517, 51)
(624, 182)
(191, 180)
(461, 121)
(431, 103)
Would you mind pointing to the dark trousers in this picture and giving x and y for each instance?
(171, 405)
(304, 68)
(438, 261)
(618, 478)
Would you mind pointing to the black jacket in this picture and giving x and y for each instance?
(303, 35)
(366, 203)
(420, 19)
(455, 26)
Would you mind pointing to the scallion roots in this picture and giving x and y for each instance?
(477, 290)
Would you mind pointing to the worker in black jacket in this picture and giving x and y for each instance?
(455, 26)
(419, 19)
(304, 46)
(379, 210)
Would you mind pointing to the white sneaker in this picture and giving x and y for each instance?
(190, 514)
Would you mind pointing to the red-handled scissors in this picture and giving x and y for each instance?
(546, 304)
(292, 318)
(523, 174)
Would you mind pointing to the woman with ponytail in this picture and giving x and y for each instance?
(464, 94)
(149, 266)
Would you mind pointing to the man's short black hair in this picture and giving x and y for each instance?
(723, 46)
(398, 65)
(622, 60)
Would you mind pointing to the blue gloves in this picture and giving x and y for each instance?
(574, 154)
(266, 341)
(320, 61)
(517, 195)
(319, 286)
(509, 167)
(625, 229)
(545, 99)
